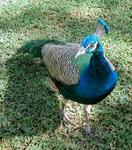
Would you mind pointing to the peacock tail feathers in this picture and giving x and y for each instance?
(34, 47)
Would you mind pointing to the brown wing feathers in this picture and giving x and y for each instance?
(58, 59)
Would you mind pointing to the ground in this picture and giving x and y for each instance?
(29, 109)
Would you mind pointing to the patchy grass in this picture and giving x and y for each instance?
(29, 109)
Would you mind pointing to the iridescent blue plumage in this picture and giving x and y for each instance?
(104, 24)
(81, 72)
(97, 78)
(88, 79)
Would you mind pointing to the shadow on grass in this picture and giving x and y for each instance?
(30, 107)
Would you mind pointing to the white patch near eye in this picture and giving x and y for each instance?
(94, 47)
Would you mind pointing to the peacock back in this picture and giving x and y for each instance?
(61, 63)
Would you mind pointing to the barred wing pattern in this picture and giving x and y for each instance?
(58, 59)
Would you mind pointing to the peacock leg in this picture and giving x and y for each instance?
(87, 109)
(65, 115)
(54, 87)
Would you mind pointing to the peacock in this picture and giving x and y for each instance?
(80, 71)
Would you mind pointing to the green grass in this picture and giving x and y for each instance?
(29, 109)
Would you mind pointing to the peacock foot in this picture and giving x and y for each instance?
(87, 129)
(66, 118)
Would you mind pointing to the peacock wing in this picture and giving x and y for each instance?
(59, 60)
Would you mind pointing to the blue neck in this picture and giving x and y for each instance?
(99, 67)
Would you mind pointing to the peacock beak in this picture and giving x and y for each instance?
(88, 49)
(80, 52)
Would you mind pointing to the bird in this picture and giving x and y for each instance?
(80, 71)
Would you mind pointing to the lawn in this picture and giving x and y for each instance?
(29, 109)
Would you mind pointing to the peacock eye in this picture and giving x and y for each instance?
(91, 45)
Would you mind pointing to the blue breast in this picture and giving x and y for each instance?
(97, 80)
(90, 90)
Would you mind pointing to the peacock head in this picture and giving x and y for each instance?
(92, 43)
